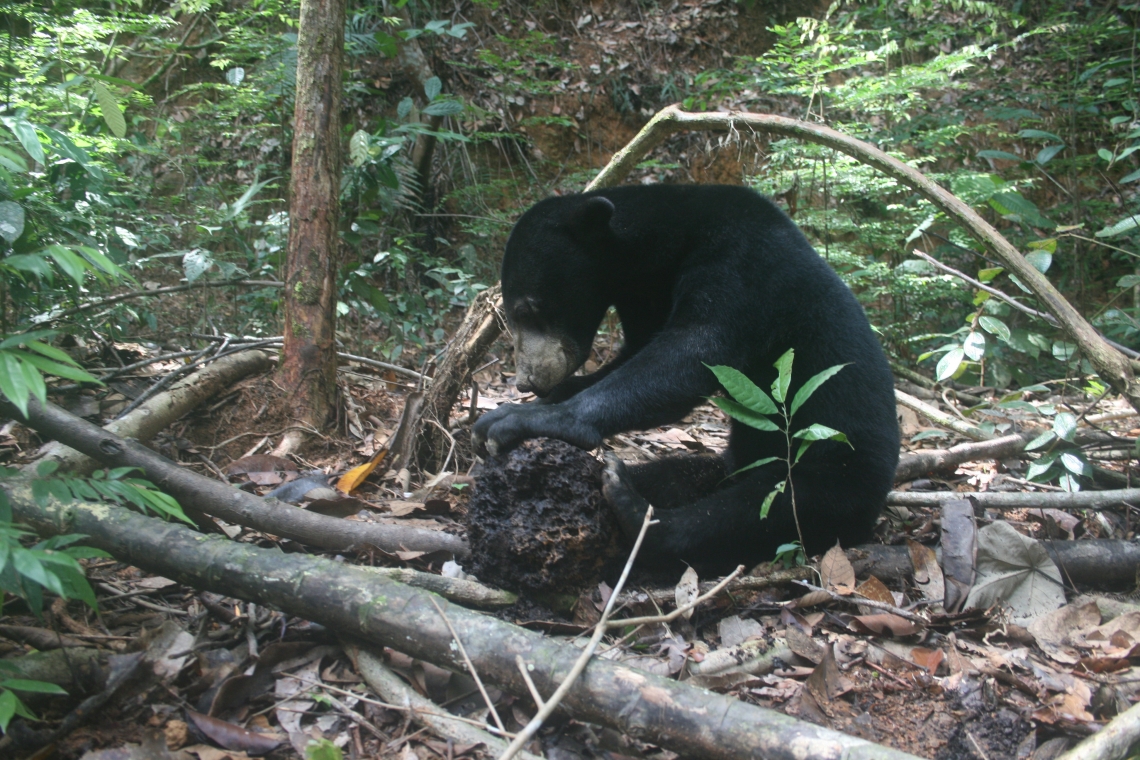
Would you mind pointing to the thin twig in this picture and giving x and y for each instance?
(563, 689)
(853, 599)
(470, 666)
(529, 682)
(671, 616)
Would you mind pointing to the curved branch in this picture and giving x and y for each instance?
(1110, 364)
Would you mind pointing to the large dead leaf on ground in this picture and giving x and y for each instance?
(927, 573)
(1017, 571)
(1056, 631)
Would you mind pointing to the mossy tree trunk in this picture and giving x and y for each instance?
(308, 363)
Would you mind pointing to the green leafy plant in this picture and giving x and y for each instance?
(104, 485)
(10, 683)
(751, 406)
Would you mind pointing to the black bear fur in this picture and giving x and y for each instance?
(699, 275)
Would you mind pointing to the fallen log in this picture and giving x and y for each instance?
(1105, 563)
(202, 494)
(1021, 500)
(684, 719)
(918, 464)
(154, 415)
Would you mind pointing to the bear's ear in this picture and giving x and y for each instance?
(593, 215)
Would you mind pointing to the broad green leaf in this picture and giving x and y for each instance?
(1041, 440)
(8, 706)
(39, 687)
(784, 379)
(33, 263)
(986, 275)
(995, 326)
(1130, 177)
(1073, 463)
(235, 76)
(1106, 155)
(432, 88)
(34, 381)
(744, 390)
(1039, 468)
(1045, 244)
(1041, 260)
(1000, 154)
(1063, 352)
(60, 370)
(948, 365)
(808, 388)
(11, 221)
(443, 108)
(1126, 224)
(1128, 281)
(112, 113)
(818, 432)
(771, 497)
(1013, 202)
(757, 463)
(1039, 134)
(1068, 483)
(12, 161)
(404, 108)
(1065, 426)
(358, 148)
(71, 264)
(1048, 153)
(96, 257)
(741, 413)
(12, 383)
(975, 346)
(27, 136)
(195, 263)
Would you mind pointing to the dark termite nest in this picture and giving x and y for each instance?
(537, 521)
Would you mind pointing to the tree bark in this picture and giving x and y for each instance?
(691, 721)
(308, 363)
(917, 464)
(1109, 363)
(480, 327)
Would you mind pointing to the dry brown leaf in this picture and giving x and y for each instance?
(927, 658)
(687, 590)
(927, 574)
(804, 645)
(403, 508)
(884, 623)
(1057, 631)
(827, 682)
(836, 572)
(352, 479)
(876, 591)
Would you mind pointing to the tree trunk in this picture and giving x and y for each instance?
(308, 364)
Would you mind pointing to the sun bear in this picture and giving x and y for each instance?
(699, 275)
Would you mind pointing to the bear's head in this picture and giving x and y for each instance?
(553, 287)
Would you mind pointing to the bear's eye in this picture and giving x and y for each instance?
(526, 310)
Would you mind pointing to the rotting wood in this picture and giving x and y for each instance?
(158, 412)
(482, 324)
(673, 715)
(197, 492)
(1021, 500)
(1110, 364)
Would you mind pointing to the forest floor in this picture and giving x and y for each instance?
(249, 679)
